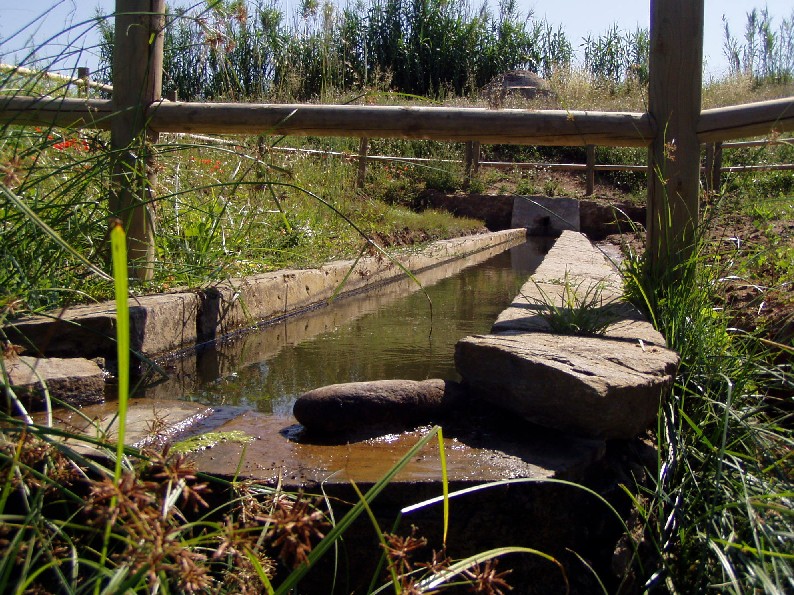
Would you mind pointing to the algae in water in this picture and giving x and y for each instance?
(208, 440)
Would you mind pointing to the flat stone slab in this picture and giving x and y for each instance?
(75, 381)
(149, 421)
(168, 322)
(589, 386)
(601, 382)
(339, 408)
(476, 451)
(529, 312)
(575, 266)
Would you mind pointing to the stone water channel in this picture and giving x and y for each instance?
(397, 330)
(391, 333)
(246, 383)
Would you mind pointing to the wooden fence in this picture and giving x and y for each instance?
(83, 78)
(711, 171)
(673, 129)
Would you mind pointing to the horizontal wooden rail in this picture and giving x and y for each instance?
(767, 167)
(758, 143)
(79, 82)
(546, 127)
(572, 167)
(552, 127)
(747, 120)
(65, 112)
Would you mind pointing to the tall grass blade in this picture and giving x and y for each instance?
(442, 455)
(461, 566)
(51, 233)
(381, 538)
(260, 571)
(118, 245)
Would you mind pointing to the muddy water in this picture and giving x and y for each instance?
(389, 333)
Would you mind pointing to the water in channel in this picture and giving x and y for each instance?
(385, 333)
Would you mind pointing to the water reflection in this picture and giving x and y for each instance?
(389, 333)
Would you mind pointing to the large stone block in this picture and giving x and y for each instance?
(596, 387)
(545, 216)
(392, 403)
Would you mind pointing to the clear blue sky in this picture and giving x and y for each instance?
(578, 17)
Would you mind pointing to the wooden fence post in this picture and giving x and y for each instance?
(676, 73)
(84, 74)
(590, 175)
(137, 83)
(363, 148)
(716, 168)
(471, 161)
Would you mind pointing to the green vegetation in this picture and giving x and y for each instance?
(428, 48)
(717, 514)
(581, 311)
(220, 212)
(764, 53)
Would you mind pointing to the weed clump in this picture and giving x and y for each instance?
(581, 311)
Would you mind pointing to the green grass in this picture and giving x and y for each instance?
(718, 515)
(219, 213)
(581, 309)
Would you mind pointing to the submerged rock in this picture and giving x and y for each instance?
(356, 405)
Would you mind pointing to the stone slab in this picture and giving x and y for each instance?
(149, 421)
(528, 312)
(591, 277)
(477, 450)
(168, 322)
(606, 384)
(338, 408)
(598, 220)
(158, 324)
(574, 256)
(75, 381)
(542, 215)
(588, 386)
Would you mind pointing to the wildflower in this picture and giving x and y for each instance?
(669, 150)
(241, 13)
(293, 526)
(132, 497)
(11, 172)
(177, 472)
(486, 580)
(439, 563)
(399, 549)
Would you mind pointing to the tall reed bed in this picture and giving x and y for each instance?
(764, 51)
(436, 48)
